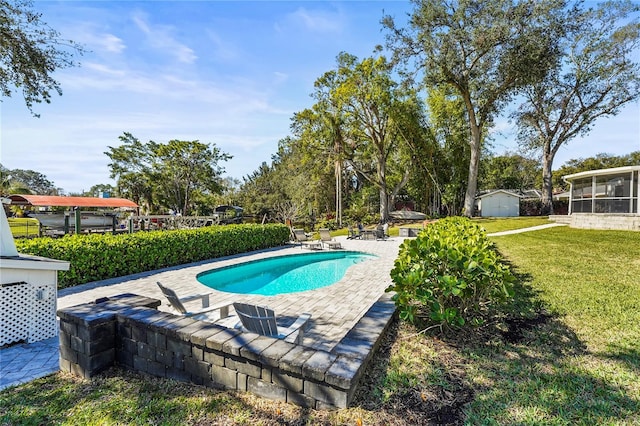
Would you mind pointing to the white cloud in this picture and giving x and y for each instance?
(160, 37)
(320, 21)
(103, 69)
(111, 43)
(222, 49)
(280, 77)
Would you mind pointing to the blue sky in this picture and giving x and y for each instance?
(231, 73)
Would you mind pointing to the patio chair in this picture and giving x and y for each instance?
(304, 241)
(353, 234)
(325, 238)
(262, 320)
(203, 314)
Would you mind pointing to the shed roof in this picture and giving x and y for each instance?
(55, 200)
(498, 191)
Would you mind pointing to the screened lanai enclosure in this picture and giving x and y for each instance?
(605, 191)
(605, 199)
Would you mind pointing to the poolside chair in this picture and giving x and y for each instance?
(325, 238)
(353, 234)
(203, 314)
(304, 241)
(262, 320)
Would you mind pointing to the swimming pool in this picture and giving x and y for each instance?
(283, 274)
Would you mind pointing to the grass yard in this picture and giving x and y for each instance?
(567, 352)
(580, 364)
(495, 224)
(24, 227)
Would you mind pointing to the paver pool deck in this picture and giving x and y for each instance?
(335, 309)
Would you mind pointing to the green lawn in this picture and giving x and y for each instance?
(507, 224)
(24, 227)
(574, 359)
(582, 366)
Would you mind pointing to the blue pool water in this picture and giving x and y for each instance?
(283, 274)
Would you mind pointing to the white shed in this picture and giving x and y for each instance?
(499, 203)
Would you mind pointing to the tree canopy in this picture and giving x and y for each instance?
(30, 52)
(485, 50)
(595, 78)
(509, 171)
(19, 181)
(166, 176)
(364, 118)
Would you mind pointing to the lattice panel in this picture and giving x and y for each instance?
(44, 324)
(16, 308)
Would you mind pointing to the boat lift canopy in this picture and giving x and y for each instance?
(55, 200)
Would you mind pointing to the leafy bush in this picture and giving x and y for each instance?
(97, 257)
(450, 275)
(533, 207)
(330, 224)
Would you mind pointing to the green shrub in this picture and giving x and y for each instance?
(329, 224)
(450, 275)
(96, 257)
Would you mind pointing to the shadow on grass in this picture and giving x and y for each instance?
(411, 397)
(128, 398)
(630, 357)
(525, 367)
(534, 369)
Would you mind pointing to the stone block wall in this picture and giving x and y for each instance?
(623, 222)
(129, 331)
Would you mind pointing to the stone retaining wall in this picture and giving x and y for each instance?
(129, 331)
(623, 222)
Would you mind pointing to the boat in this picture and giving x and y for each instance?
(229, 214)
(407, 215)
(88, 220)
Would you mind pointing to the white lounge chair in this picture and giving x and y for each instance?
(205, 313)
(262, 320)
(325, 238)
(304, 241)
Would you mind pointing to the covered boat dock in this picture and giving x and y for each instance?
(61, 221)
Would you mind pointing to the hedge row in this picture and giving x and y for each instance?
(96, 257)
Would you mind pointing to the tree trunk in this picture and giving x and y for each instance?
(472, 181)
(547, 184)
(475, 145)
(384, 204)
(338, 170)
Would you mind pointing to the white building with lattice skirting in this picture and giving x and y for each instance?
(28, 292)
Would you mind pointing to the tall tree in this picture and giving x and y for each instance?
(166, 174)
(448, 122)
(373, 114)
(262, 190)
(30, 51)
(485, 49)
(320, 142)
(102, 188)
(597, 76)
